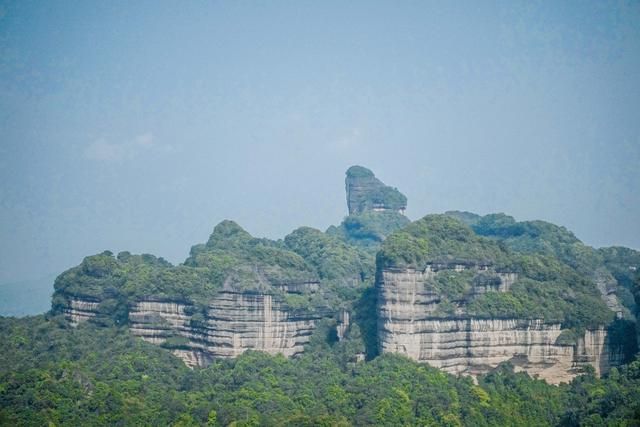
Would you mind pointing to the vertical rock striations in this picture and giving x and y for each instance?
(410, 322)
(234, 293)
(232, 323)
(80, 309)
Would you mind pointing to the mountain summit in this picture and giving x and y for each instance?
(365, 192)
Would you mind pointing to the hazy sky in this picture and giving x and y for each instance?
(140, 125)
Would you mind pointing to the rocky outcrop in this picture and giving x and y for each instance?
(80, 309)
(409, 323)
(230, 324)
(343, 323)
(608, 286)
(365, 192)
(409, 291)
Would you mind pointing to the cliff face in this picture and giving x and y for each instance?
(365, 192)
(446, 295)
(409, 323)
(232, 294)
(232, 323)
(80, 309)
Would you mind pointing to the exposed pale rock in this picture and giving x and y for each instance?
(407, 324)
(193, 358)
(233, 323)
(298, 288)
(344, 321)
(608, 286)
(80, 309)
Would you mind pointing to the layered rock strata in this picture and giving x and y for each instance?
(408, 324)
(80, 309)
(232, 323)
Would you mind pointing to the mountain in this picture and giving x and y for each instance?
(378, 320)
(365, 192)
(465, 302)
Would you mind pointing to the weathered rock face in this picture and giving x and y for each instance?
(608, 286)
(409, 323)
(416, 286)
(343, 323)
(365, 192)
(232, 323)
(80, 309)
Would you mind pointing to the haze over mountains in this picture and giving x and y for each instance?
(377, 320)
(180, 169)
(459, 291)
(141, 128)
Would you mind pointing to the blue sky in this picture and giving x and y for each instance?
(140, 126)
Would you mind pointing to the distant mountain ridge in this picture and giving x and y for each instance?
(488, 286)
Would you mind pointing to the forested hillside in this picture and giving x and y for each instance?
(134, 340)
(51, 373)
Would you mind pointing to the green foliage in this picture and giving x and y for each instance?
(612, 400)
(552, 241)
(547, 287)
(468, 218)
(98, 374)
(453, 285)
(174, 342)
(368, 229)
(527, 402)
(623, 334)
(116, 282)
(332, 258)
(231, 258)
(388, 197)
(624, 265)
(569, 337)
(437, 238)
(251, 262)
(499, 305)
(365, 317)
(403, 249)
(371, 192)
(51, 373)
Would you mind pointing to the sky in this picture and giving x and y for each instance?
(140, 125)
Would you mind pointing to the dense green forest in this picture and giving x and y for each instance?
(53, 374)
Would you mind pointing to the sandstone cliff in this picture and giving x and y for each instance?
(230, 324)
(233, 294)
(80, 309)
(459, 291)
(409, 323)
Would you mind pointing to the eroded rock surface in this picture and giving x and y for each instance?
(409, 323)
(80, 309)
(231, 324)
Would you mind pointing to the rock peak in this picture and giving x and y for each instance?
(365, 192)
